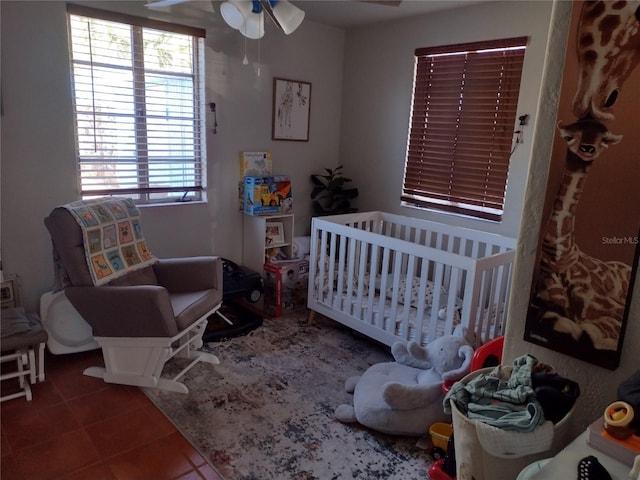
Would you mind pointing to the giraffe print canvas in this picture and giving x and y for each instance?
(588, 247)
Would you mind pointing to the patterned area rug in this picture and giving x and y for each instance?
(266, 412)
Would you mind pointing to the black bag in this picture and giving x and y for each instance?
(629, 391)
(555, 394)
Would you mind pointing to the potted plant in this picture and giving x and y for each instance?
(330, 195)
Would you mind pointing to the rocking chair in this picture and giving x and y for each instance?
(143, 311)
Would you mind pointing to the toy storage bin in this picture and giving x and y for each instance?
(473, 459)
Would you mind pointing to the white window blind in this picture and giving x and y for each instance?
(462, 125)
(139, 117)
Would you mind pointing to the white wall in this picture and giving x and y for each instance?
(38, 163)
(378, 86)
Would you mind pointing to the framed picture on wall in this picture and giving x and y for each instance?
(291, 110)
(589, 244)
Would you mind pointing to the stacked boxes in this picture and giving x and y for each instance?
(252, 164)
(285, 286)
(267, 194)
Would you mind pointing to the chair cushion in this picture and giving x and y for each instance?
(189, 307)
(28, 333)
(127, 311)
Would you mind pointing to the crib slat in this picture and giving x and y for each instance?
(372, 283)
(451, 308)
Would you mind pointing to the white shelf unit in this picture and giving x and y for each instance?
(254, 239)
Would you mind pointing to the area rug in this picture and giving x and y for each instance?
(266, 411)
(231, 320)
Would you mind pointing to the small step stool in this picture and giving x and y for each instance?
(22, 340)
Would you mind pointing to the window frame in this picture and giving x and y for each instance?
(194, 163)
(462, 122)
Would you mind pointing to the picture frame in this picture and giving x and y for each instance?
(274, 234)
(291, 110)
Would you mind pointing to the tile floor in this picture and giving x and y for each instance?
(78, 427)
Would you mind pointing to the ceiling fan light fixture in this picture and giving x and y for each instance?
(253, 26)
(247, 16)
(235, 12)
(288, 15)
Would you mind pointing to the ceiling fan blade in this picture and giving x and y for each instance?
(266, 7)
(285, 15)
(390, 3)
(164, 3)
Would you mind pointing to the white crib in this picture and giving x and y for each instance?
(394, 278)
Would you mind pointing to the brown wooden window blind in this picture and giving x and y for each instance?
(462, 125)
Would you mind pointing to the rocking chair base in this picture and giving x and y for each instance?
(140, 361)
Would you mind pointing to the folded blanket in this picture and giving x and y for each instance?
(14, 321)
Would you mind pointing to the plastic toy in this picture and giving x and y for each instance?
(440, 433)
(241, 280)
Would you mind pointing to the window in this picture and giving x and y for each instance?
(137, 87)
(462, 125)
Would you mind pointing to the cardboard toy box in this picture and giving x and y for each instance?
(285, 286)
(252, 164)
(255, 164)
(267, 194)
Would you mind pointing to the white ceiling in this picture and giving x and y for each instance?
(349, 13)
(339, 13)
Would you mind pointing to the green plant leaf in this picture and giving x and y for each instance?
(329, 195)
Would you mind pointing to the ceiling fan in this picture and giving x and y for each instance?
(247, 16)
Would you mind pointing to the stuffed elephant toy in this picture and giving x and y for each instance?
(405, 397)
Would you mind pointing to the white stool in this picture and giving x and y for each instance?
(23, 341)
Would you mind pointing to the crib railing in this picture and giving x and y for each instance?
(393, 277)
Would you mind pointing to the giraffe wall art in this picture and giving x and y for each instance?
(588, 247)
